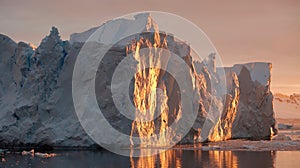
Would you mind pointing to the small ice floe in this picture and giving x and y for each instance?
(205, 148)
(215, 147)
(281, 137)
(284, 126)
(31, 152)
(45, 155)
(249, 147)
(38, 154)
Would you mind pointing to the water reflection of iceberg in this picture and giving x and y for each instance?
(207, 159)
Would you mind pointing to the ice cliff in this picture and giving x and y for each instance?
(36, 106)
(35, 94)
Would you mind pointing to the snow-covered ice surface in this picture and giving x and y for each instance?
(119, 28)
(287, 106)
(287, 112)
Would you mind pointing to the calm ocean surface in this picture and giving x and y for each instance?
(171, 158)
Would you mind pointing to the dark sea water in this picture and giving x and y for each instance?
(171, 158)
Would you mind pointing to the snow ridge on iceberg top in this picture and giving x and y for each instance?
(141, 23)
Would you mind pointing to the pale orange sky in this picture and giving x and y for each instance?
(242, 30)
